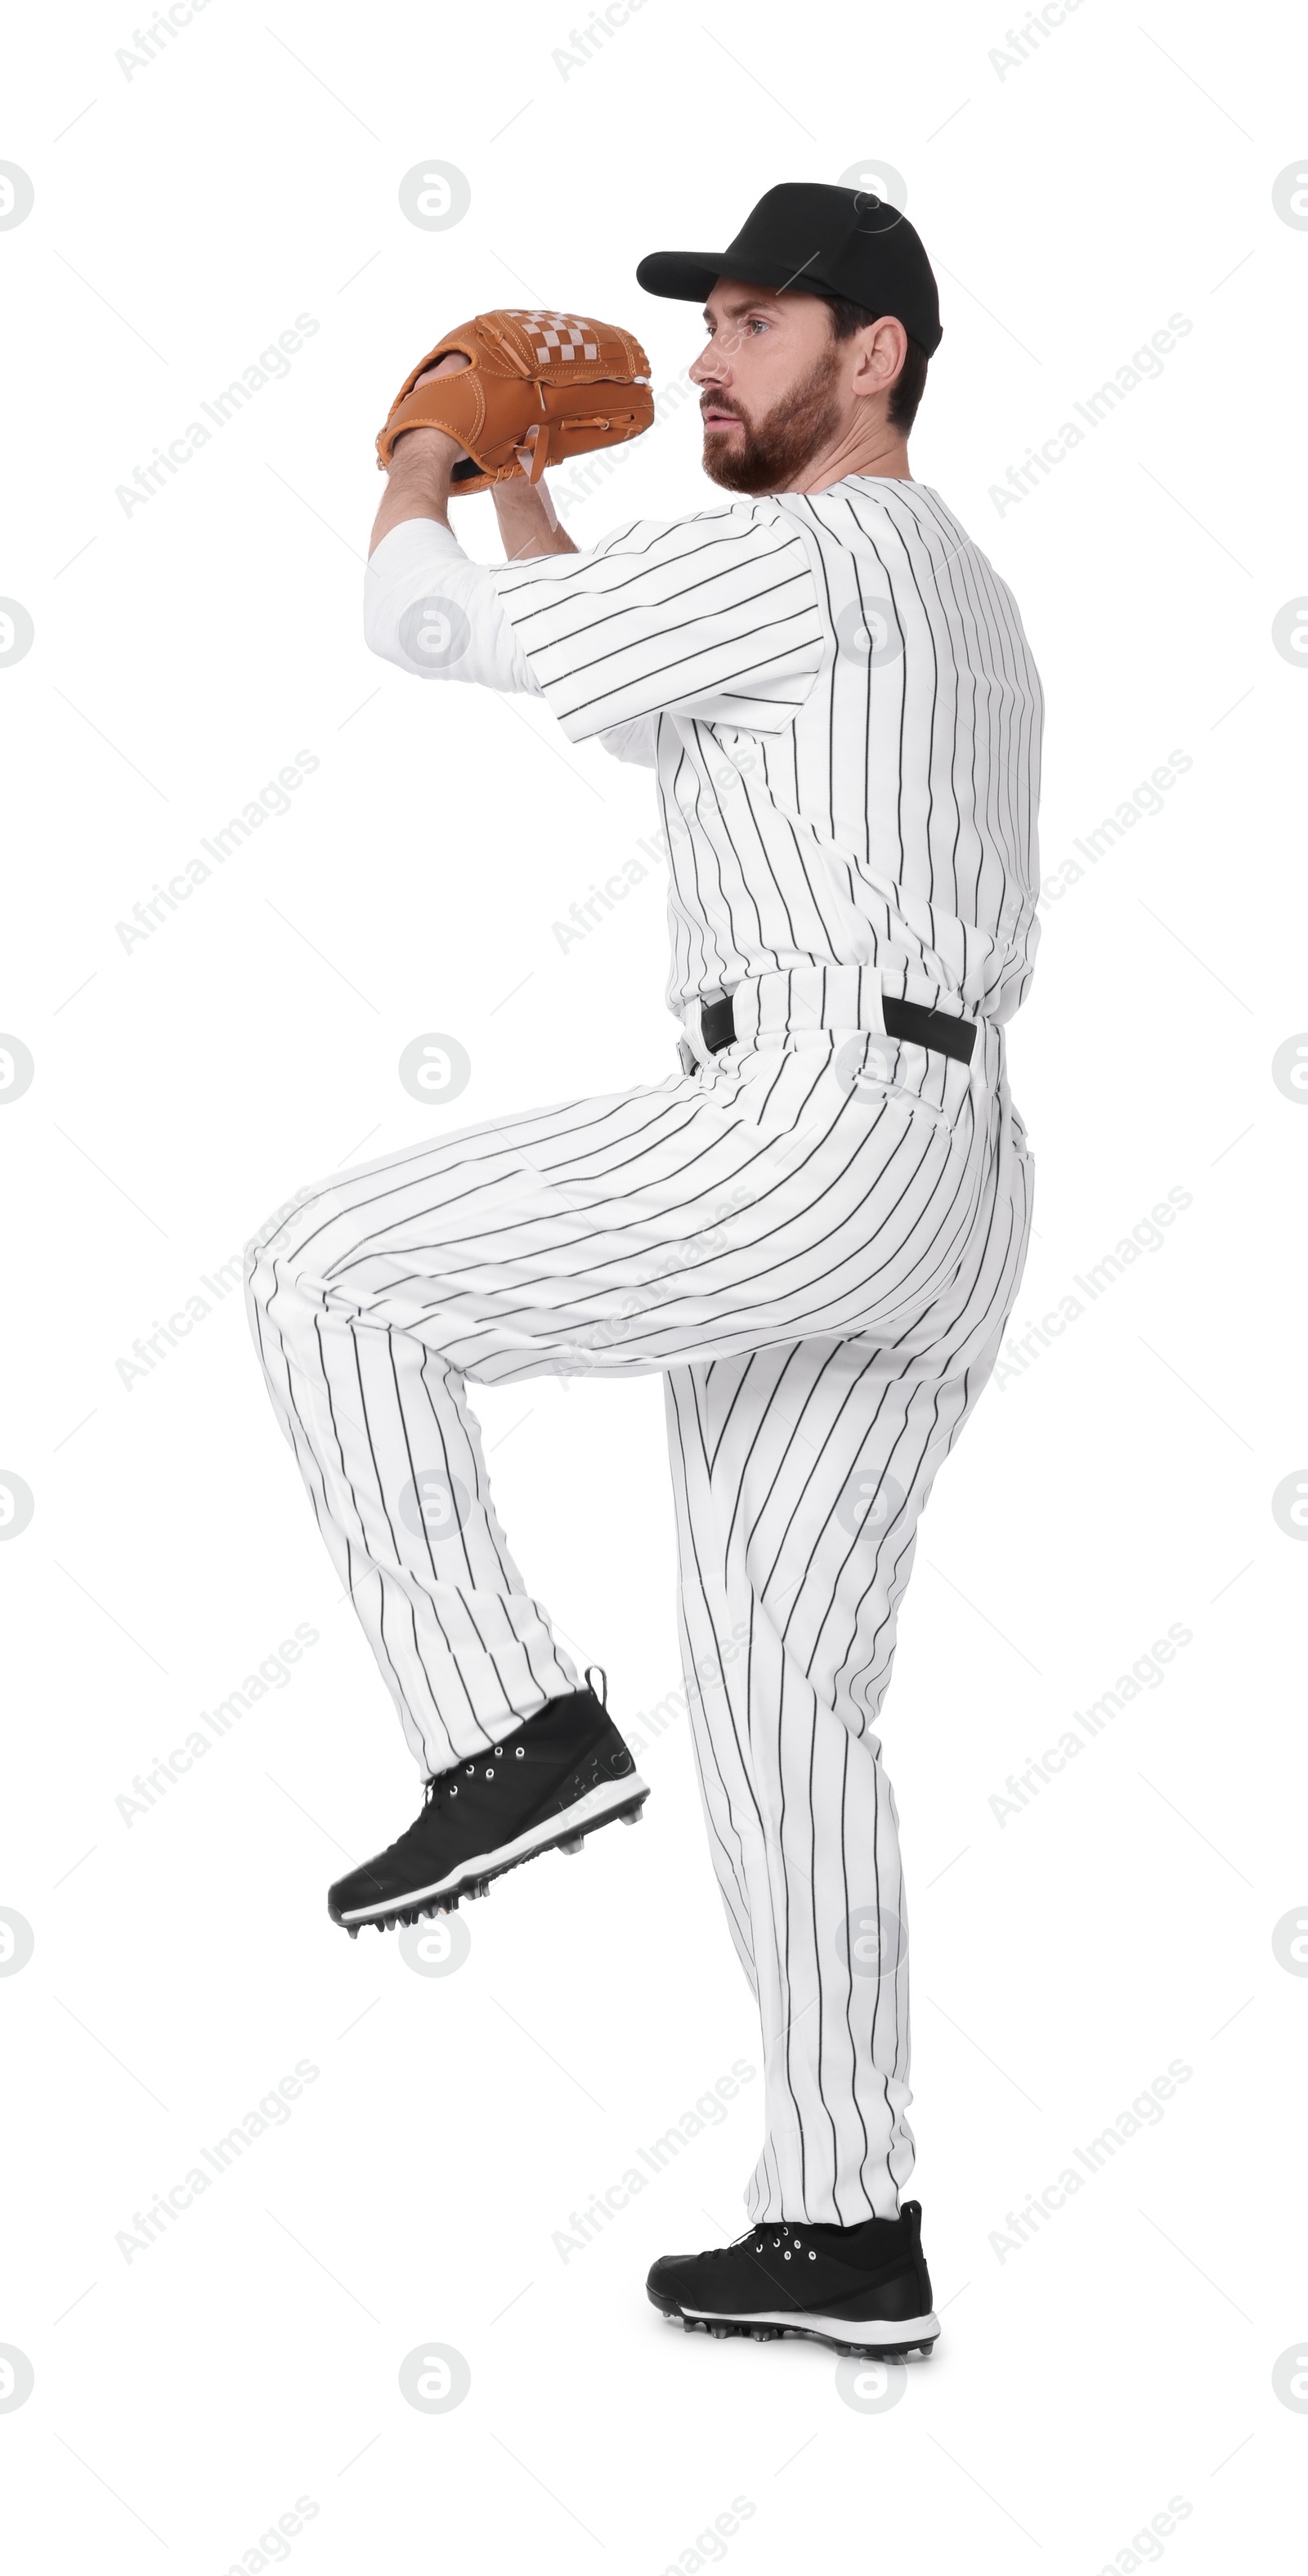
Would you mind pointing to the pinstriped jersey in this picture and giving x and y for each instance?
(838, 697)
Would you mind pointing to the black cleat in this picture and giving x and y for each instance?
(560, 1776)
(861, 2289)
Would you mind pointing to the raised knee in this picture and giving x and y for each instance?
(270, 1259)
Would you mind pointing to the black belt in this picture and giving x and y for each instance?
(938, 1029)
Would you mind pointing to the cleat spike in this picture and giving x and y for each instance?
(633, 1816)
(353, 1930)
(573, 1844)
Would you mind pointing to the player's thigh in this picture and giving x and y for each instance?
(455, 1188)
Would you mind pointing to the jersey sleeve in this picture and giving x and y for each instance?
(715, 616)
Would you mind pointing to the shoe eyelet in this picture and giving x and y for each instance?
(785, 2258)
(454, 1788)
(812, 2258)
(470, 1767)
(490, 1772)
(519, 1750)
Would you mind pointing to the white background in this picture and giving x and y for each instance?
(1121, 1481)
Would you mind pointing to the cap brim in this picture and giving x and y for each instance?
(691, 275)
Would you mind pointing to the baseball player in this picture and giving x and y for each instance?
(814, 1228)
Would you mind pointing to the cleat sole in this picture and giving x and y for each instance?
(879, 2340)
(556, 1833)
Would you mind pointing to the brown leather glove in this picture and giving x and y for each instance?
(539, 387)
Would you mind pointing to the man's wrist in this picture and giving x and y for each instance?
(422, 441)
(417, 481)
(527, 522)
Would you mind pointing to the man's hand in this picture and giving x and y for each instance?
(449, 365)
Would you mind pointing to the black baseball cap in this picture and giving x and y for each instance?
(818, 240)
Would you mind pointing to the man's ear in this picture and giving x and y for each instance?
(884, 349)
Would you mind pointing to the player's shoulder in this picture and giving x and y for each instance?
(863, 505)
(698, 527)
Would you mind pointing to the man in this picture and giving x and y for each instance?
(814, 1230)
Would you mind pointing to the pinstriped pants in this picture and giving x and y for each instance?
(816, 1237)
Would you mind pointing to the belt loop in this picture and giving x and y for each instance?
(990, 1058)
(747, 1010)
(870, 1009)
(693, 1038)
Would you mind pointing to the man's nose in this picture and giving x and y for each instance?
(711, 367)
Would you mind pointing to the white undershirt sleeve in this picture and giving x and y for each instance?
(436, 614)
(636, 741)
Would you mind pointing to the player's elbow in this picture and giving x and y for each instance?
(381, 620)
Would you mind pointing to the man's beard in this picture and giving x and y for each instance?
(770, 454)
